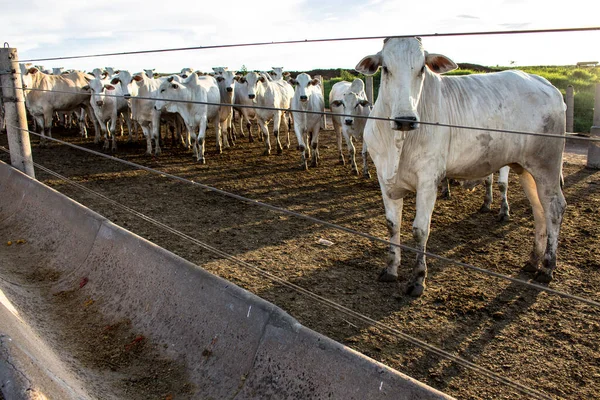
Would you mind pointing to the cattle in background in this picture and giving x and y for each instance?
(308, 96)
(226, 81)
(55, 93)
(246, 111)
(108, 103)
(201, 89)
(275, 96)
(350, 99)
(150, 72)
(185, 72)
(411, 156)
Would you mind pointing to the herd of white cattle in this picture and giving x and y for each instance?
(420, 131)
(189, 102)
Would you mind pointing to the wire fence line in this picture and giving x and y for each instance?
(524, 389)
(338, 227)
(572, 136)
(560, 30)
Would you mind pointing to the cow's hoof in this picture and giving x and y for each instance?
(385, 276)
(415, 289)
(279, 150)
(485, 209)
(267, 153)
(287, 146)
(342, 161)
(314, 164)
(355, 172)
(529, 267)
(503, 217)
(202, 161)
(543, 275)
(367, 175)
(251, 139)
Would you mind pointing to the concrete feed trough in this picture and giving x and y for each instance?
(90, 310)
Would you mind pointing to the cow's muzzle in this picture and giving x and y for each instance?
(348, 122)
(229, 89)
(99, 103)
(303, 98)
(405, 123)
(251, 96)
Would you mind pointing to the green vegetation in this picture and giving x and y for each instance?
(583, 80)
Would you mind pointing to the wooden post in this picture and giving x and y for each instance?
(593, 159)
(324, 119)
(570, 100)
(14, 107)
(369, 88)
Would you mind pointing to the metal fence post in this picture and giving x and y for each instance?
(570, 101)
(593, 158)
(14, 111)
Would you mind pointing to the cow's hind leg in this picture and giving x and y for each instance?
(486, 207)
(504, 214)
(425, 201)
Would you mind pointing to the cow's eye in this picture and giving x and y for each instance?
(422, 70)
(385, 69)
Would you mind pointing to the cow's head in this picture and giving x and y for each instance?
(404, 67)
(171, 89)
(124, 79)
(185, 72)
(98, 88)
(227, 81)
(302, 82)
(253, 79)
(355, 106)
(150, 73)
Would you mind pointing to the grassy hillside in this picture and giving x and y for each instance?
(583, 80)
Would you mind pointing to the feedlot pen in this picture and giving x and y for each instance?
(541, 340)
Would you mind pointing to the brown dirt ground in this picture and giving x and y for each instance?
(540, 340)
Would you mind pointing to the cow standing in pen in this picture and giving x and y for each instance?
(350, 99)
(411, 156)
(273, 96)
(307, 97)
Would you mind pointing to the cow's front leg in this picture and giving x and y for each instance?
(366, 173)
(425, 201)
(265, 131)
(393, 216)
(504, 214)
(276, 126)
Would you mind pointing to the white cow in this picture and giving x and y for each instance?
(196, 116)
(271, 95)
(150, 72)
(55, 93)
(308, 96)
(247, 113)
(185, 72)
(350, 99)
(413, 154)
(107, 108)
(226, 80)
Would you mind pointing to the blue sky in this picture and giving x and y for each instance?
(41, 29)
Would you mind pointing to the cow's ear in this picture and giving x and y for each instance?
(261, 79)
(109, 87)
(369, 64)
(33, 70)
(138, 78)
(115, 81)
(243, 80)
(315, 82)
(86, 87)
(439, 63)
(292, 81)
(237, 78)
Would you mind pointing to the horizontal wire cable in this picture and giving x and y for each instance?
(446, 260)
(548, 135)
(558, 30)
(323, 300)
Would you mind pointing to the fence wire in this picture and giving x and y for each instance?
(519, 387)
(560, 30)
